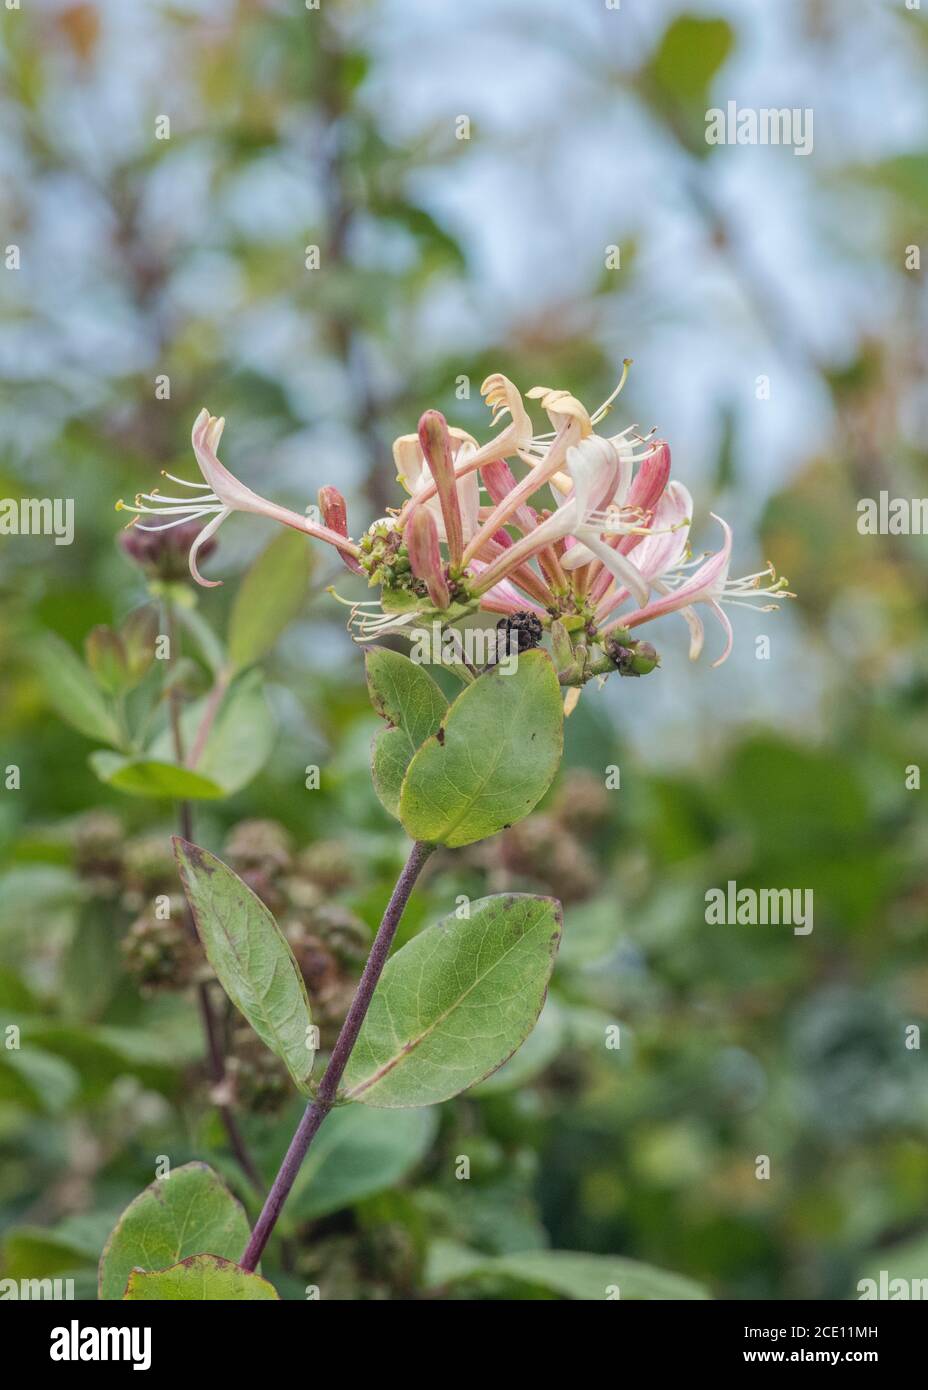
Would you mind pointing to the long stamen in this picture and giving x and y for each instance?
(169, 525)
(183, 481)
(607, 404)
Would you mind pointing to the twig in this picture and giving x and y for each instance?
(318, 1108)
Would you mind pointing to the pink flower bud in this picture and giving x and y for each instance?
(334, 514)
(425, 555)
(436, 447)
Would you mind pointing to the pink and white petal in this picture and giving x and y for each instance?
(209, 530)
(697, 631)
(618, 566)
(664, 547)
(725, 621)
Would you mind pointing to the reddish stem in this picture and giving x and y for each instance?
(317, 1109)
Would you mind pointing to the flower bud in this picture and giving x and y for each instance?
(636, 659)
(435, 442)
(425, 555)
(164, 554)
(334, 512)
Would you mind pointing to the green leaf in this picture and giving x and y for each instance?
(565, 1273)
(242, 737)
(34, 1252)
(199, 1278)
(692, 50)
(250, 956)
(493, 758)
(680, 73)
(208, 644)
(592, 1277)
(540, 1048)
(240, 740)
(269, 597)
(357, 1153)
(456, 1002)
(91, 966)
(187, 1213)
(37, 1079)
(152, 777)
(106, 657)
(72, 691)
(404, 694)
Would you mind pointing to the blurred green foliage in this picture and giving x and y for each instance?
(735, 1041)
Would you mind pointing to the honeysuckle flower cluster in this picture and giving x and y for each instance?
(572, 531)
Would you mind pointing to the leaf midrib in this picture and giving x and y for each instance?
(407, 1050)
(450, 827)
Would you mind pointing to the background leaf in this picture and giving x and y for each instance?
(678, 77)
(456, 1002)
(493, 759)
(240, 740)
(566, 1273)
(269, 597)
(189, 1213)
(250, 956)
(359, 1152)
(72, 690)
(199, 1278)
(152, 777)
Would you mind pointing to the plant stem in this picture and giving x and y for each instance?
(213, 702)
(211, 1030)
(318, 1108)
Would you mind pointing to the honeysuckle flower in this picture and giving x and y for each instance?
(710, 585)
(572, 531)
(561, 407)
(503, 399)
(218, 496)
(652, 538)
(594, 466)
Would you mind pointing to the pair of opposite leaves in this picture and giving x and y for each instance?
(463, 994)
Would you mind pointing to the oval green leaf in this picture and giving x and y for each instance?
(492, 760)
(358, 1152)
(456, 1002)
(404, 694)
(72, 691)
(184, 1214)
(269, 597)
(152, 777)
(240, 740)
(251, 957)
(197, 1279)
